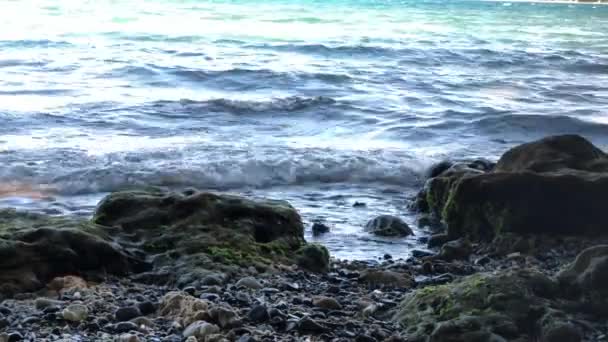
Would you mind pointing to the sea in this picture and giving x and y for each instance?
(320, 103)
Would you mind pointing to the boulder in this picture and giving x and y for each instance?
(499, 306)
(313, 257)
(588, 274)
(388, 225)
(554, 185)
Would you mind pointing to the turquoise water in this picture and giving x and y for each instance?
(322, 103)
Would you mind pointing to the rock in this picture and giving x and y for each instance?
(43, 303)
(128, 338)
(146, 308)
(259, 314)
(386, 278)
(387, 256)
(588, 273)
(191, 339)
(561, 332)
(326, 303)
(439, 168)
(75, 313)
(564, 179)
(36, 248)
(319, 228)
(359, 204)
(456, 250)
(183, 308)
(201, 330)
(66, 284)
(211, 280)
(387, 225)
(143, 321)
(127, 313)
(438, 240)
(14, 337)
(308, 325)
(313, 257)
(250, 283)
(416, 253)
(496, 306)
(224, 317)
(125, 327)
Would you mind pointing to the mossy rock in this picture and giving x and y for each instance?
(313, 257)
(554, 185)
(506, 304)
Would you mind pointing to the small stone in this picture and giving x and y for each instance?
(326, 303)
(127, 313)
(200, 330)
(128, 338)
(249, 282)
(224, 317)
(416, 253)
(4, 323)
(484, 260)
(212, 297)
(259, 314)
(5, 311)
(125, 327)
(211, 280)
(438, 240)
(246, 338)
(30, 320)
(359, 205)
(51, 309)
(319, 228)
(456, 249)
(75, 313)
(43, 303)
(190, 290)
(388, 225)
(191, 339)
(146, 308)
(365, 338)
(313, 257)
(308, 325)
(561, 332)
(14, 337)
(387, 256)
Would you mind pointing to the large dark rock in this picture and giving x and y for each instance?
(36, 248)
(181, 236)
(555, 185)
(588, 274)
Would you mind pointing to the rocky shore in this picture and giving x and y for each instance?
(520, 253)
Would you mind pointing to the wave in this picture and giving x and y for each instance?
(30, 43)
(539, 125)
(286, 104)
(254, 77)
(217, 170)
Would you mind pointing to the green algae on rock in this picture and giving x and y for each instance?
(313, 257)
(483, 307)
(172, 238)
(555, 185)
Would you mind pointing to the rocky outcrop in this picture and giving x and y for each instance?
(555, 185)
(169, 238)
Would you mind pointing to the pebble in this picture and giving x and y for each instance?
(259, 314)
(211, 280)
(43, 303)
(128, 338)
(201, 329)
(13, 337)
(308, 325)
(75, 313)
(249, 282)
(326, 303)
(127, 313)
(125, 327)
(146, 308)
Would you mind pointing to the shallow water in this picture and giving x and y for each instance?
(322, 103)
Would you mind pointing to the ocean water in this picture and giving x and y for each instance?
(322, 103)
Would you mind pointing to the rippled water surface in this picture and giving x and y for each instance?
(322, 103)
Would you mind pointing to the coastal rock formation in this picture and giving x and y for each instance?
(554, 185)
(388, 225)
(168, 238)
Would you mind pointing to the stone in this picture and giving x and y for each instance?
(386, 278)
(326, 303)
(43, 303)
(211, 280)
(183, 308)
(456, 250)
(65, 284)
(146, 307)
(224, 317)
(128, 338)
(314, 258)
(308, 325)
(388, 225)
(201, 330)
(191, 339)
(561, 332)
(75, 313)
(564, 179)
(437, 240)
(127, 313)
(125, 327)
(588, 273)
(14, 337)
(258, 314)
(250, 283)
(319, 228)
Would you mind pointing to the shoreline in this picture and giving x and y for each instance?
(557, 2)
